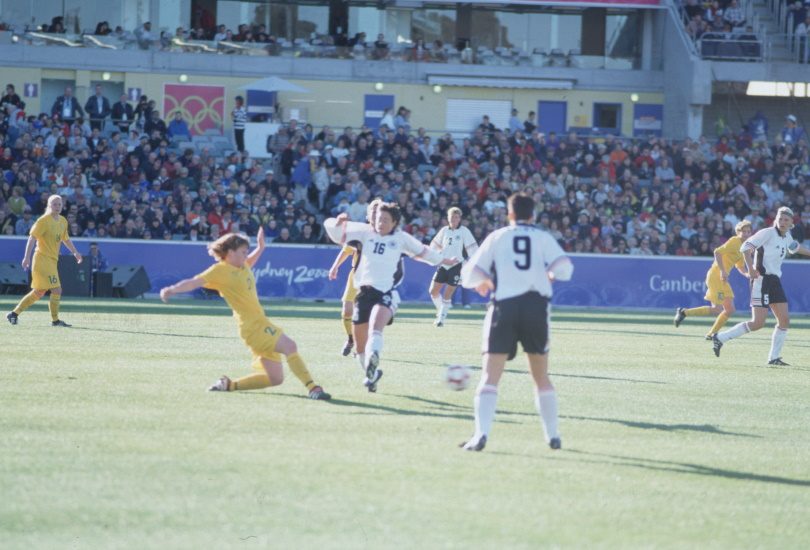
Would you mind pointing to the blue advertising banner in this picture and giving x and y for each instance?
(261, 102)
(648, 119)
(301, 272)
(374, 107)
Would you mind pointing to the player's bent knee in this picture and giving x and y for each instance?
(276, 378)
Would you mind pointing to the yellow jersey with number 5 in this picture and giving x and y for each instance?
(238, 287)
(50, 233)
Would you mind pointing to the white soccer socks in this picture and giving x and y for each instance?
(737, 330)
(546, 403)
(486, 398)
(443, 309)
(777, 341)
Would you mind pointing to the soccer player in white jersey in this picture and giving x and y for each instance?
(350, 292)
(376, 275)
(764, 253)
(452, 240)
(517, 264)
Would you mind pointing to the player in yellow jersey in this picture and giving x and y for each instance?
(233, 278)
(719, 292)
(49, 232)
(350, 292)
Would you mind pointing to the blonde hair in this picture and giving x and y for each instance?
(453, 210)
(51, 199)
(742, 225)
(787, 212)
(232, 241)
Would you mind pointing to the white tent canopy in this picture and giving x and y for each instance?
(274, 84)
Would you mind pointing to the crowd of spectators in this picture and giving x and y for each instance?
(608, 195)
(258, 36)
(721, 29)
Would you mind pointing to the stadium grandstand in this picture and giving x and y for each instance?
(642, 127)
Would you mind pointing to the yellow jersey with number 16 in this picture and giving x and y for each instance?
(50, 233)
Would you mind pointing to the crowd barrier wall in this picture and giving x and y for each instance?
(301, 272)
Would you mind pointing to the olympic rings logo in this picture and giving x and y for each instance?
(198, 114)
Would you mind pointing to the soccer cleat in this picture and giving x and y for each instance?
(12, 317)
(221, 385)
(716, 345)
(778, 362)
(373, 363)
(473, 445)
(555, 444)
(318, 394)
(438, 323)
(680, 315)
(60, 323)
(347, 347)
(372, 386)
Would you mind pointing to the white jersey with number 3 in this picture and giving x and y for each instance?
(517, 258)
(771, 248)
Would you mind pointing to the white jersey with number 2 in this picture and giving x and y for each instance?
(517, 258)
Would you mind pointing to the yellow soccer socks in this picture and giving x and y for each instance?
(27, 301)
(53, 306)
(255, 381)
(698, 311)
(719, 323)
(299, 369)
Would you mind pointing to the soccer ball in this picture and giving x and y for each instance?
(457, 377)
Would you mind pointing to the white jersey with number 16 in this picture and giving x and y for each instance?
(517, 258)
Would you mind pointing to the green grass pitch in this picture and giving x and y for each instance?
(109, 439)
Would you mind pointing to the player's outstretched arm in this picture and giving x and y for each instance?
(344, 253)
(341, 231)
(186, 285)
(254, 256)
(803, 250)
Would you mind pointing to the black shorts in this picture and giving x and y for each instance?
(523, 319)
(767, 290)
(450, 276)
(367, 298)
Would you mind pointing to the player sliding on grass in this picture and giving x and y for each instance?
(233, 278)
(718, 290)
(376, 276)
(455, 240)
(764, 253)
(517, 264)
(49, 232)
(350, 292)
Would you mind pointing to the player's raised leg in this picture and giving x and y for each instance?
(380, 316)
(27, 301)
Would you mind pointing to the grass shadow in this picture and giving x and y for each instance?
(704, 428)
(692, 469)
(147, 333)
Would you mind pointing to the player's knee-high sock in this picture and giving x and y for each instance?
(375, 343)
(698, 311)
(445, 307)
(777, 341)
(27, 301)
(299, 369)
(347, 326)
(437, 301)
(255, 381)
(53, 306)
(719, 323)
(361, 361)
(546, 403)
(737, 330)
(486, 398)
